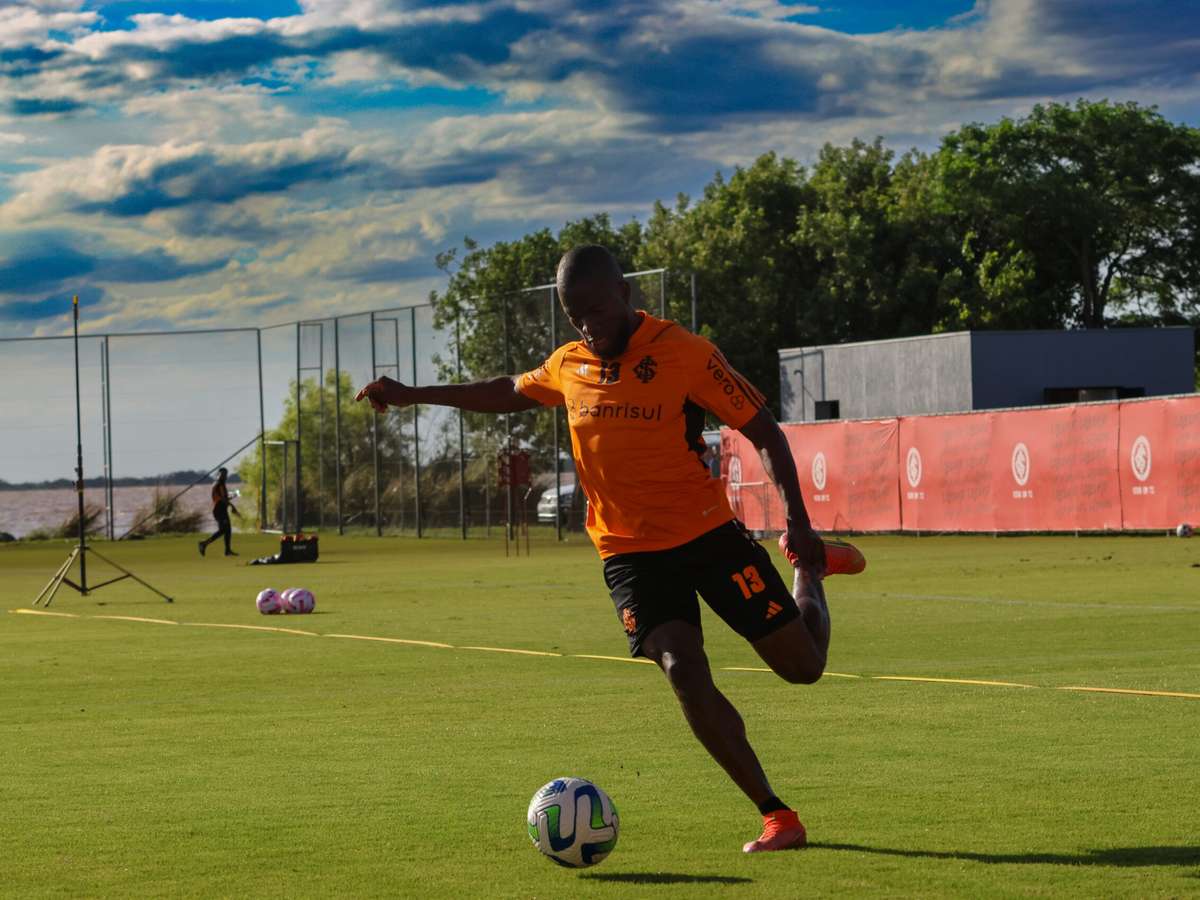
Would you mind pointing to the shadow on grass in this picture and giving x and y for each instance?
(1113, 856)
(665, 878)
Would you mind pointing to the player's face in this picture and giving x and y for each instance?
(600, 311)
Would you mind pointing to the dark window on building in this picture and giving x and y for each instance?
(1090, 394)
(827, 409)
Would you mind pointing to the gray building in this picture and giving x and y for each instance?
(968, 370)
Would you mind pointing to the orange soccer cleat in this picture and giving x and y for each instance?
(782, 830)
(841, 557)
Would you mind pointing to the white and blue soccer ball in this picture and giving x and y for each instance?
(573, 822)
(1183, 529)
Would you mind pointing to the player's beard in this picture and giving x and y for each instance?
(619, 341)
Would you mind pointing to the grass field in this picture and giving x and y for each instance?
(153, 759)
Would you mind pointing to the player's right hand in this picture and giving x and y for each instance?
(384, 392)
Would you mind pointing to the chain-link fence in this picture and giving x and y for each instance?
(276, 406)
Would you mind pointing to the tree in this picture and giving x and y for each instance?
(1072, 208)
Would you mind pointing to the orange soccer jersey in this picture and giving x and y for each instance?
(636, 425)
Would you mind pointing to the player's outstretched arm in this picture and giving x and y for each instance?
(770, 441)
(496, 395)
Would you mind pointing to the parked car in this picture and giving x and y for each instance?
(545, 507)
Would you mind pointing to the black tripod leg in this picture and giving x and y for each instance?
(131, 575)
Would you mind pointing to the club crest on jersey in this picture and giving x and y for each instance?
(646, 369)
(610, 373)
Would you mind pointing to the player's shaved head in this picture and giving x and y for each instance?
(591, 262)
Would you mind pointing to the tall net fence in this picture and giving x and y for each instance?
(275, 405)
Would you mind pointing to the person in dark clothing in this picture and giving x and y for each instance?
(221, 507)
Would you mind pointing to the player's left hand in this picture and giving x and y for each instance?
(808, 547)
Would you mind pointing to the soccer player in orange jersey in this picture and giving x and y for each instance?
(636, 389)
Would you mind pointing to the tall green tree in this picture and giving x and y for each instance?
(1072, 207)
(751, 278)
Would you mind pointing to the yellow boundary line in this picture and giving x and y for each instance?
(388, 640)
(138, 619)
(511, 650)
(516, 651)
(250, 627)
(632, 659)
(950, 681)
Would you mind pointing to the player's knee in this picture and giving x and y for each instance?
(689, 675)
(804, 671)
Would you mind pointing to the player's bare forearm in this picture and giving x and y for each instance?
(495, 395)
(770, 441)
(772, 446)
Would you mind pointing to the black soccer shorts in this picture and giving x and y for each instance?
(730, 569)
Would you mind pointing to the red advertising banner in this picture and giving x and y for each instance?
(1089, 467)
(945, 474)
(847, 474)
(1056, 469)
(1159, 462)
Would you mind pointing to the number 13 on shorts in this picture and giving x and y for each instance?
(749, 581)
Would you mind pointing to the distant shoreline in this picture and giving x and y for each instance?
(58, 484)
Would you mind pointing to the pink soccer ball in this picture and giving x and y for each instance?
(299, 600)
(269, 602)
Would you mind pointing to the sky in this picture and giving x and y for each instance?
(210, 163)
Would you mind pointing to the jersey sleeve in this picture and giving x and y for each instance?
(542, 384)
(715, 385)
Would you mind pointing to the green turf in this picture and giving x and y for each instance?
(154, 760)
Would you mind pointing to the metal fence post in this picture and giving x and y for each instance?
(337, 424)
(106, 434)
(694, 303)
(375, 435)
(262, 437)
(416, 422)
(299, 453)
(554, 412)
(462, 461)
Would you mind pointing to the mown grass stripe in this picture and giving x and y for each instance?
(1141, 693)
(418, 643)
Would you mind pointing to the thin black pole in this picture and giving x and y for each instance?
(262, 437)
(106, 418)
(299, 421)
(508, 494)
(693, 302)
(337, 423)
(375, 435)
(662, 292)
(321, 431)
(462, 462)
(416, 422)
(83, 588)
(554, 412)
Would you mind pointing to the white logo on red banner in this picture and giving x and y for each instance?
(818, 471)
(913, 466)
(1139, 458)
(1020, 464)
